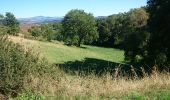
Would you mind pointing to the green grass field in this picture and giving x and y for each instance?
(59, 53)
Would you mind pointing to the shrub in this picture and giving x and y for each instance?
(15, 64)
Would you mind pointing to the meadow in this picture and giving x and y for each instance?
(57, 52)
(64, 86)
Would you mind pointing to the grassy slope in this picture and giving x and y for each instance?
(92, 87)
(59, 53)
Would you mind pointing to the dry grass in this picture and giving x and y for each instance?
(22, 41)
(71, 86)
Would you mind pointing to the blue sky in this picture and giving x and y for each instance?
(30, 8)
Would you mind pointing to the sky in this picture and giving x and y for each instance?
(58, 8)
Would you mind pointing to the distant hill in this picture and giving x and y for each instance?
(39, 20)
(44, 19)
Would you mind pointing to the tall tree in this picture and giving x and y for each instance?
(57, 27)
(104, 32)
(118, 27)
(111, 30)
(11, 22)
(159, 25)
(79, 27)
(136, 36)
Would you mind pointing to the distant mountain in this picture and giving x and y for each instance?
(44, 19)
(39, 20)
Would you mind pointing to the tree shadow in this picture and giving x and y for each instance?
(93, 66)
(82, 47)
(69, 45)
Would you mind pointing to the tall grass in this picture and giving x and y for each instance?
(94, 87)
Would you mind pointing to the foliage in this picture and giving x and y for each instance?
(57, 27)
(47, 31)
(11, 22)
(159, 26)
(35, 31)
(15, 64)
(111, 30)
(137, 18)
(136, 38)
(118, 28)
(104, 31)
(136, 45)
(79, 27)
(127, 31)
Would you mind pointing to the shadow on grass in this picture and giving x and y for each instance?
(93, 66)
(82, 47)
(70, 45)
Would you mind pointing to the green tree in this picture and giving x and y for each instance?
(118, 25)
(136, 45)
(11, 22)
(57, 27)
(79, 27)
(47, 32)
(137, 18)
(35, 31)
(159, 25)
(111, 30)
(104, 32)
(136, 36)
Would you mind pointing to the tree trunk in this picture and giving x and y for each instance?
(79, 42)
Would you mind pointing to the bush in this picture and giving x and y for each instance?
(15, 64)
(46, 32)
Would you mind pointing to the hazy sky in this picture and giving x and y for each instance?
(30, 8)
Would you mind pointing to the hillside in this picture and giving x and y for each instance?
(57, 52)
(44, 19)
(39, 20)
(66, 86)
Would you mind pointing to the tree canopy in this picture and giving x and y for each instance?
(159, 27)
(79, 27)
(11, 22)
(136, 37)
